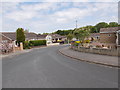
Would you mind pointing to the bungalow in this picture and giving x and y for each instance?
(12, 35)
(51, 38)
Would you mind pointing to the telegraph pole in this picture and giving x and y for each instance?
(76, 23)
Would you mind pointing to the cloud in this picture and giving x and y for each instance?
(21, 15)
(48, 17)
(59, 0)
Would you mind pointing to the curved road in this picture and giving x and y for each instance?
(47, 68)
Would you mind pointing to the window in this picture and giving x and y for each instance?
(109, 35)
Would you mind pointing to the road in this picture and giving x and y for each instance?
(47, 68)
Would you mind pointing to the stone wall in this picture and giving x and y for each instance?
(111, 52)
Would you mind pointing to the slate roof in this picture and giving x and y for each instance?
(41, 36)
(109, 30)
(12, 35)
(94, 34)
(57, 36)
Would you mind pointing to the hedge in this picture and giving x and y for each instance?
(29, 44)
(37, 42)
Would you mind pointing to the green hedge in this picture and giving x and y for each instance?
(29, 44)
(37, 42)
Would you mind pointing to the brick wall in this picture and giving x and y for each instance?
(108, 38)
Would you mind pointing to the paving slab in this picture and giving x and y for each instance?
(92, 58)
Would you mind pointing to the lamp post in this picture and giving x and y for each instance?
(76, 23)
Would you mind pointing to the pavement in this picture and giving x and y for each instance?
(91, 58)
(47, 68)
(12, 54)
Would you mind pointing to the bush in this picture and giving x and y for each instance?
(76, 44)
(26, 45)
(98, 46)
(37, 42)
(87, 41)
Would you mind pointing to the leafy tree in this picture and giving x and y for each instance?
(93, 30)
(20, 36)
(81, 34)
(26, 31)
(101, 25)
(45, 33)
(113, 24)
(63, 32)
(69, 37)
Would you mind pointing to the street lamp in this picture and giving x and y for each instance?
(76, 24)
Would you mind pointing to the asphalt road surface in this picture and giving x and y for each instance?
(47, 68)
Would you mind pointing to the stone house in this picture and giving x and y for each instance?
(109, 37)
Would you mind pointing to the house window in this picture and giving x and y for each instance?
(109, 35)
(60, 38)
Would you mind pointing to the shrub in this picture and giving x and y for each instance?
(75, 44)
(98, 46)
(37, 42)
(26, 45)
(87, 41)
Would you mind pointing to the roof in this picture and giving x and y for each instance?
(41, 36)
(94, 34)
(31, 35)
(109, 30)
(12, 35)
(57, 36)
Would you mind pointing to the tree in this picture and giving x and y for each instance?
(26, 31)
(93, 30)
(69, 37)
(101, 25)
(63, 32)
(113, 24)
(45, 33)
(81, 34)
(20, 36)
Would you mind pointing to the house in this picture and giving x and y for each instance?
(5, 39)
(5, 44)
(109, 37)
(41, 37)
(94, 36)
(55, 38)
(12, 35)
(51, 38)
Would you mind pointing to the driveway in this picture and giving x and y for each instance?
(47, 68)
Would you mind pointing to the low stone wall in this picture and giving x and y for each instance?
(111, 52)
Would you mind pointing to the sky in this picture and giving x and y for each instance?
(46, 17)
